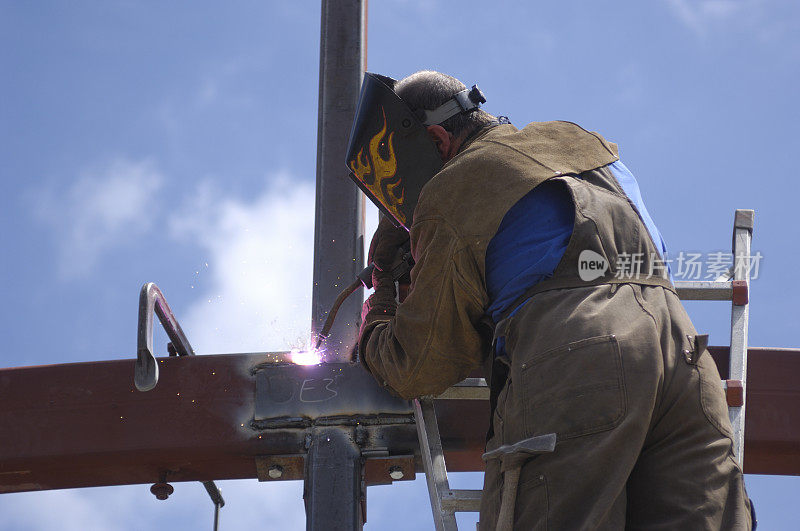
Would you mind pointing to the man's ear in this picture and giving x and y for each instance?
(442, 139)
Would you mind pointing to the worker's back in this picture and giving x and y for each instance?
(601, 352)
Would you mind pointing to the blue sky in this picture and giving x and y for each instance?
(176, 143)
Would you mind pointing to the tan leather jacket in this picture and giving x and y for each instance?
(440, 332)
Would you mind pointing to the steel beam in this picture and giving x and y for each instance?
(772, 427)
(85, 424)
(339, 228)
(289, 396)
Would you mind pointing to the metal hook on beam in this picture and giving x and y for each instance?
(152, 300)
(216, 497)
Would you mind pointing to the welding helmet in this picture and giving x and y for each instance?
(390, 155)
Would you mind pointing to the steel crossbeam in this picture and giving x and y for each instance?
(84, 424)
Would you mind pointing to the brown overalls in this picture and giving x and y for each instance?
(612, 365)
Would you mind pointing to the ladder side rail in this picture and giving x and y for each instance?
(433, 463)
(740, 315)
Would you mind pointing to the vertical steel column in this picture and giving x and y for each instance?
(339, 229)
(740, 315)
(333, 481)
(333, 475)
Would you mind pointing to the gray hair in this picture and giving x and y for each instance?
(428, 89)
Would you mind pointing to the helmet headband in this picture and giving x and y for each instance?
(467, 100)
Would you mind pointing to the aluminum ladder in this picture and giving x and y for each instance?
(734, 286)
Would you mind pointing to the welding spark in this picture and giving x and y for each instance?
(310, 356)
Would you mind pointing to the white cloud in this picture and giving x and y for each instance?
(255, 283)
(422, 6)
(105, 206)
(253, 295)
(66, 510)
(703, 15)
(248, 505)
(222, 84)
(631, 83)
(208, 92)
(371, 215)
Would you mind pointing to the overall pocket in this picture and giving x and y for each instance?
(573, 390)
(531, 509)
(712, 396)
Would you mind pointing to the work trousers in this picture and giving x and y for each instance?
(636, 403)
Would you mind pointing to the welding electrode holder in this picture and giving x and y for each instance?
(399, 271)
(401, 268)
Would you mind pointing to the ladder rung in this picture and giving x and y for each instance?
(704, 291)
(462, 501)
(468, 389)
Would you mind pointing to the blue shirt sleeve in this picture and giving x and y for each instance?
(631, 188)
(534, 235)
(529, 244)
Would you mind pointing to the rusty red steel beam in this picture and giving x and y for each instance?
(209, 417)
(772, 423)
(85, 424)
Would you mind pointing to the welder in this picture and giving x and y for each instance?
(536, 257)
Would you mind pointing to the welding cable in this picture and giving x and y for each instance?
(346, 292)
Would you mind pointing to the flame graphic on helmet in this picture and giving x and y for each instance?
(379, 174)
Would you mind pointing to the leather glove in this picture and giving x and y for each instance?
(385, 253)
(384, 250)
